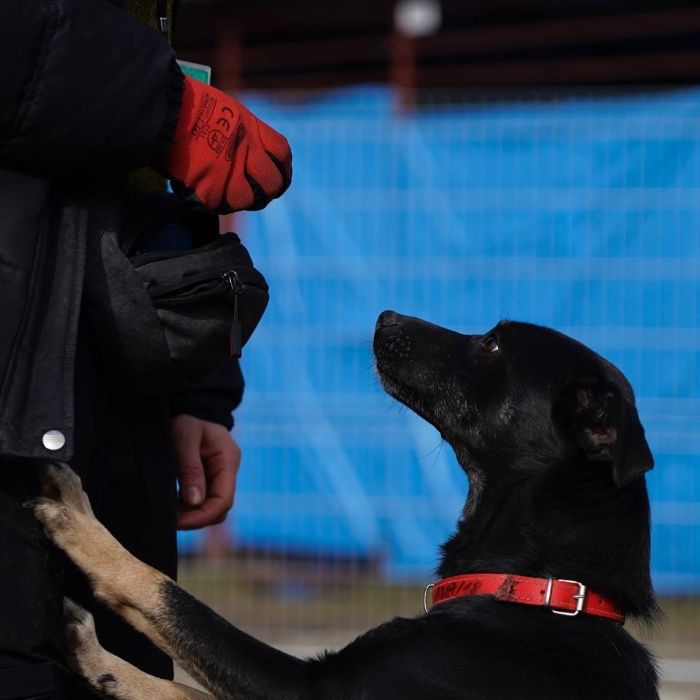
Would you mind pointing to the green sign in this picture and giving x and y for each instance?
(198, 71)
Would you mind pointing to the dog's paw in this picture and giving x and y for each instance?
(66, 528)
(84, 655)
(85, 540)
(60, 483)
(79, 628)
(54, 516)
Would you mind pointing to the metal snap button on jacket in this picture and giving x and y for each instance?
(53, 440)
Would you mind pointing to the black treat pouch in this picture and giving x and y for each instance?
(168, 319)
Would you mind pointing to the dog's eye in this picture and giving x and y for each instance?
(489, 344)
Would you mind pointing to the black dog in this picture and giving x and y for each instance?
(549, 436)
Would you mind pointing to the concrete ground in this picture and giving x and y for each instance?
(680, 692)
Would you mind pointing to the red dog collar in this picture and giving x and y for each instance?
(561, 596)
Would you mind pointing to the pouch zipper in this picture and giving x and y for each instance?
(231, 276)
(162, 16)
(230, 279)
(235, 338)
(251, 277)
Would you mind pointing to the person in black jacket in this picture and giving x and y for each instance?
(89, 93)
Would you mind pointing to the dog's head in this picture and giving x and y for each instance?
(515, 398)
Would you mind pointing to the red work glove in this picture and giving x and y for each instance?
(223, 156)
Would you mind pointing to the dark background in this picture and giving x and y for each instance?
(275, 44)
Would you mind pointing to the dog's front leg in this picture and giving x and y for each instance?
(118, 579)
(108, 674)
(226, 661)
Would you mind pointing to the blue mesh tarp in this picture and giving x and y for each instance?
(581, 214)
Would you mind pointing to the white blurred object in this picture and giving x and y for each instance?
(416, 18)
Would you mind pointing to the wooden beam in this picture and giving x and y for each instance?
(318, 79)
(560, 33)
(290, 17)
(360, 49)
(227, 62)
(403, 69)
(676, 66)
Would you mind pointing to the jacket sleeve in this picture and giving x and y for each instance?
(84, 88)
(213, 400)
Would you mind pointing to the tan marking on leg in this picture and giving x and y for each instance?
(127, 585)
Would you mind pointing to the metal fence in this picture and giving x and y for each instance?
(577, 212)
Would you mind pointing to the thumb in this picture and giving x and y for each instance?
(187, 437)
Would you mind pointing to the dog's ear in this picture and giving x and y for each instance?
(606, 426)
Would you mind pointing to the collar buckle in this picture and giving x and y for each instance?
(427, 590)
(579, 597)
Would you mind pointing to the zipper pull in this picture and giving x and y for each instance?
(238, 288)
(162, 16)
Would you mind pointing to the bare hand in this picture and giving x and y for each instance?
(208, 459)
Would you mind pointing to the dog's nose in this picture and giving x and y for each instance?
(387, 318)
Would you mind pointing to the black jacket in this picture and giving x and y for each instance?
(87, 93)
